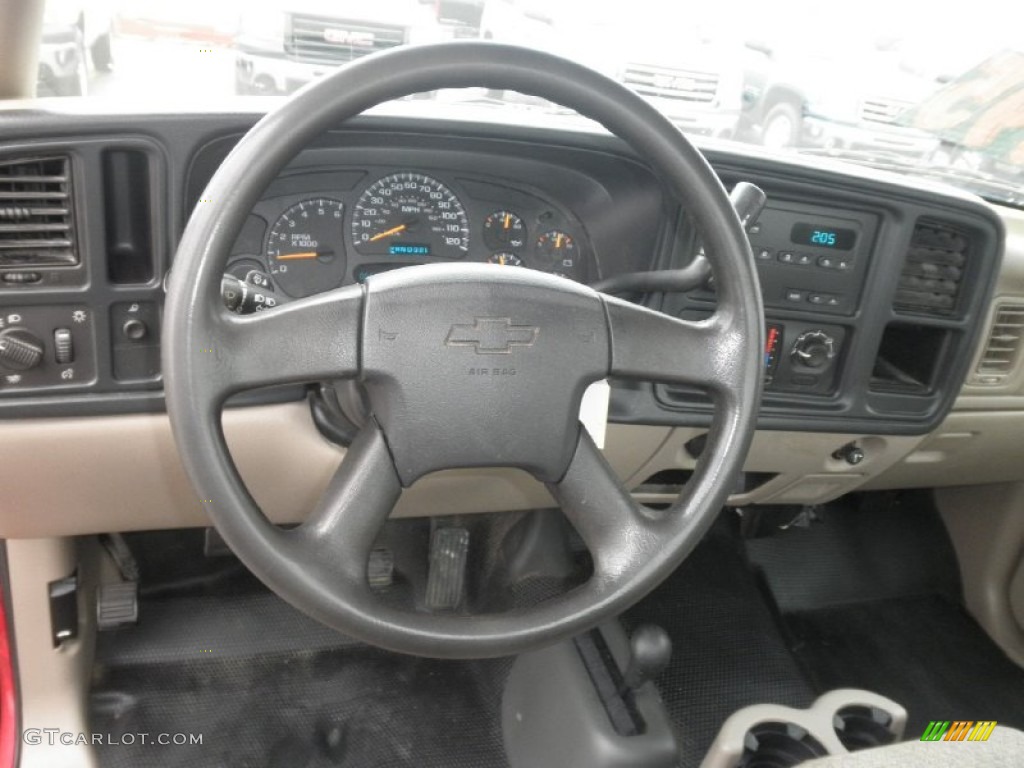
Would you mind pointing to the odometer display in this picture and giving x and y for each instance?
(409, 214)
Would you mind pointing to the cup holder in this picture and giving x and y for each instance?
(777, 736)
(863, 727)
(778, 745)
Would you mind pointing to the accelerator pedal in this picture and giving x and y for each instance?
(446, 581)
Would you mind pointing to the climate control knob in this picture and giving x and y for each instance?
(813, 349)
(19, 350)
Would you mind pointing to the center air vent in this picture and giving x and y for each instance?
(36, 226)
(933, 270)
(1004, 345)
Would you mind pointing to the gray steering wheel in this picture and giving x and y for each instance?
(410, 337)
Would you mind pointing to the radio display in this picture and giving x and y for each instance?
(823, 236)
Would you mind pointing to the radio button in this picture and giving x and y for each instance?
(787, 257)
(795, 296)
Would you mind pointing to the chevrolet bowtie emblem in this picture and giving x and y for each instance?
(492, 335)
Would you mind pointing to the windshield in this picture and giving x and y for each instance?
(910, 89)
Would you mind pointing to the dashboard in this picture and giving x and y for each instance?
(367, 220)
(882, 295)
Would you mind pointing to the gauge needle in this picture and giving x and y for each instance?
(298, 256)
(508, 220)
(387, 233)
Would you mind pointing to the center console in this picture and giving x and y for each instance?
(871, 305)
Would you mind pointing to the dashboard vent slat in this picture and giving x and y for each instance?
(933, 269)
(36, 221)
(1003, 349)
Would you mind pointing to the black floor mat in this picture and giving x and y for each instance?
(728, 651)
(925, 653)
(867, 547)
(355, 707)
(224, 625)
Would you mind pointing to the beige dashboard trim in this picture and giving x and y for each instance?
(986, 525)
(64, 477)
(1009, 290)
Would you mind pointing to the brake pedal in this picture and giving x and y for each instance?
(380, 570)
(446, 582)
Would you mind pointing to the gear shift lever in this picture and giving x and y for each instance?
(650, 651)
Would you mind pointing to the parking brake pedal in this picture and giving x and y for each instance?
(446, 582)
(117, 605)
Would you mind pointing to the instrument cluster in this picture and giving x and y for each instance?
(304, 243)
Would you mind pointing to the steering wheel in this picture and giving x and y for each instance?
(412, 336)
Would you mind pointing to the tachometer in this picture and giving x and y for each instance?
(306, 248)
(409, 214)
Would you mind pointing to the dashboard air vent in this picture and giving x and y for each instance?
(36, 226)
(1004, 345)
(933, 270)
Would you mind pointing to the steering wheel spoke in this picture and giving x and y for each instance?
(348, 517)
(616, 530)
(311, 339)
(652, 346)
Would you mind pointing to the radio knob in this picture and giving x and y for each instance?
(813, 349)
(19, 350)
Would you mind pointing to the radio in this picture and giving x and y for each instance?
(808, 258)
(812, 259)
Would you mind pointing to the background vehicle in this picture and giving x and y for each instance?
(76, 35)
(686, 65)
(811, 97)
(180, 19)
(463, 17)
(281, 45)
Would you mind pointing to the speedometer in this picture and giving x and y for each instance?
(410, 215)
